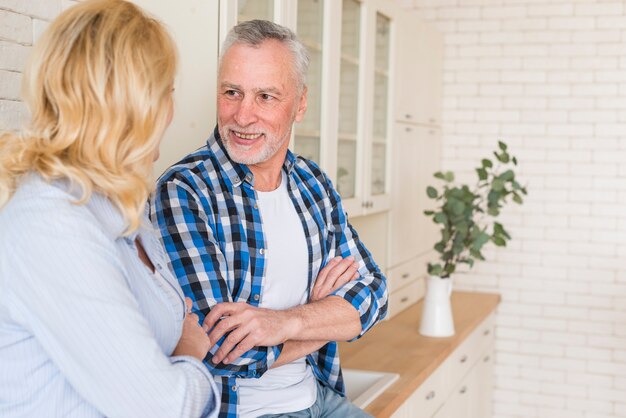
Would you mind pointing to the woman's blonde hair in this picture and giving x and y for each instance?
(99, 88)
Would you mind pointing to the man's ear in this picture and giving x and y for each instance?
(301, 105)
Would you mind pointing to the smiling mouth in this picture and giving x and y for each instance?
(242, 135)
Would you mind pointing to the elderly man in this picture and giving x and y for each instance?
(258, 238)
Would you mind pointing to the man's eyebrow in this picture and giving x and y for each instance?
(272, 90)
(227, 85)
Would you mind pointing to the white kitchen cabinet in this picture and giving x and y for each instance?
(417, 155)
(419, 72)
(232, 12)
(364, 130)
(416, 144)
(462, 385)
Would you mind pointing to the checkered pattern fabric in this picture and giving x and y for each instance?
(205, 209)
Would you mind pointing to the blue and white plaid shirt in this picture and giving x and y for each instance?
(205, 208)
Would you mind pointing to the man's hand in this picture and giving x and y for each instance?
(333, 276)
(249, 327)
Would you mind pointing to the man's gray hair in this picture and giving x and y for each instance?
(254, 32)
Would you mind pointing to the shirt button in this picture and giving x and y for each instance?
(256, 206)
(262, 251)
(234, 388)
(256, 297)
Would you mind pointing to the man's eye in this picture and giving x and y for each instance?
(231, 93)
(266, 97)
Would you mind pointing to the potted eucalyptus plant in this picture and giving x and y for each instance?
(467, 219)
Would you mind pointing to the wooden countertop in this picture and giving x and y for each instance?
(396, 346)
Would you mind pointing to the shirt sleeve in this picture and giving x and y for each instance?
(368, 293)
(71, 293)
(189, 229)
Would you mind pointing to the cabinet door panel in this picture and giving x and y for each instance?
(419, 72)
(417, 152)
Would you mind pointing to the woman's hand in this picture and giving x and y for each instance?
(193, 341)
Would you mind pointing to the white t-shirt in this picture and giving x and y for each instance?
(291, 387)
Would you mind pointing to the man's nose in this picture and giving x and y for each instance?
(246, 112)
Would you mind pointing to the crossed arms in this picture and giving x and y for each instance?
(347, 298)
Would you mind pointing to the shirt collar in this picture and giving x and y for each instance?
(237, 173)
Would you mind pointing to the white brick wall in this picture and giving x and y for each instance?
(21, 22)
(549, 78)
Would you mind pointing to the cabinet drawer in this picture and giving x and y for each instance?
(429, 397)
(470, 351)
(402, 275)
(406, 296)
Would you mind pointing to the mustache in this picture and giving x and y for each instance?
(247, 131)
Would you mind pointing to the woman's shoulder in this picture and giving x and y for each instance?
(39, 208)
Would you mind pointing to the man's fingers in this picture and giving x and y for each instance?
(226, 324)
(218, 311)
(336, 272)
(323, 274)
(228, 344)
(188, 304)
(243, 347)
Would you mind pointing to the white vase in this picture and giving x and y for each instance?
(437, 313)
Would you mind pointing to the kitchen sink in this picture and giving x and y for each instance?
(363, 386)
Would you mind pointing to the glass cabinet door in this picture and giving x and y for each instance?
(307, 142)
(380, 135)
(346, 180)
(255, 9)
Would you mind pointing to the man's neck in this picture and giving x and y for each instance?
(266, 180)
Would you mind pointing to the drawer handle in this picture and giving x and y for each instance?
(463, 390)
(408, 129)
(463, 359)
(408, 116)
(405, 275)
(430, 395)
(404, 299)
(487, 358)
(486, 332)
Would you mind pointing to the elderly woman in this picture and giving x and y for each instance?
(91, 321)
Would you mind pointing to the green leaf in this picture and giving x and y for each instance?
(449, 270)
(458, 207)
(487, 163)
(439, 175)
(502, 146)
(499, 241)
(434, 269)
(441, 218)
(449, 176)
(482, 174)
(503, 157)
(517, 198)
(429, 212)
(440, 247)
(508, 175)
(476, 254)
(480, 240)
(493, 211)
(497, 185)
(431, 192)
(514, 160)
